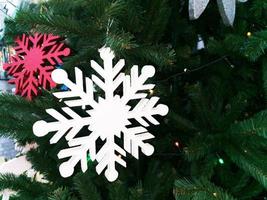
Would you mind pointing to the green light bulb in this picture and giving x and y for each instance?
(221, 161)
(89, 158)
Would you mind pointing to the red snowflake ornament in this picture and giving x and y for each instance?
(33, 63)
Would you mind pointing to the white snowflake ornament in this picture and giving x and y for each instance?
(108, 117)
(227, 9)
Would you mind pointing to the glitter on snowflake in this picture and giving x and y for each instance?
(227, 9)
(33, 63)
(107, 118)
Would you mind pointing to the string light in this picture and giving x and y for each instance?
(176, 143)
(221, 161)
(151, 92)
(228, 62)
(194, 69)
(249, 34)
(215, 194)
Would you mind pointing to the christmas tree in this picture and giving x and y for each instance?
(213, 142)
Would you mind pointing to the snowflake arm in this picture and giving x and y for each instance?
(79, 148)
(55, 50)
(76, 89)
(107, 158)
(34, 39)
(29, 85)
(134, 83)
(45, 77)
(23, 45)
(146, 109)
(14, 66)
(134, 138)
(18, 81)
(227, 9)
(108, 73)
(62, 126)
(49, 40)
(25, 81)
(53, 56)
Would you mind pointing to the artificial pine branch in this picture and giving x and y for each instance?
(86, 187)
(247, 160)
(61, 194)
(199, 189)
(24, 186)
(255, 125)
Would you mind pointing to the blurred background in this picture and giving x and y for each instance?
(8, 9)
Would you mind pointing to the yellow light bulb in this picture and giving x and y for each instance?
(249, 34)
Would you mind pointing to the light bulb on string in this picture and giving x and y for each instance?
(151, 92)
(221, 161)
(249, 34)
(176, 143)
